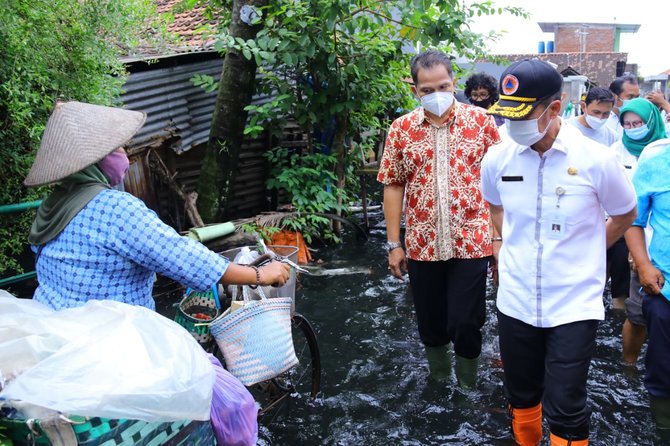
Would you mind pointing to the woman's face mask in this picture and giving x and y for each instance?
(527, 132)
(486, 103)
(637, 133)
(114, 166)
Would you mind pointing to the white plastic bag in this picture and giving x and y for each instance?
(105, 359)
(237, 292)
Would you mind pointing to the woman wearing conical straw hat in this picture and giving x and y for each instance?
(96, 242)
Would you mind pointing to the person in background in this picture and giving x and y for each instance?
(431, 160)
(652, 185)
(96, 242)
(547, 186)
(596, 109)
(625, 88)
(481, 90)
(643, 125)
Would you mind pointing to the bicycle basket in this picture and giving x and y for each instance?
(196, 311)
(256, 340)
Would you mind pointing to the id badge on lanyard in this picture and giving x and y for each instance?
(555, 223)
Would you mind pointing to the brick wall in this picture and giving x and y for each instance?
(590, 39)
(600, 68)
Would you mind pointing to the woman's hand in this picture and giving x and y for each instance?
(274, 273)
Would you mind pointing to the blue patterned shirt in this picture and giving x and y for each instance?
(652, 185)
(111, 250)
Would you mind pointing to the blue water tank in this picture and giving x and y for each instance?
(540, 47)
(550, 46)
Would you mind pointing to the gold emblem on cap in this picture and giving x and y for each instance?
(572, 171)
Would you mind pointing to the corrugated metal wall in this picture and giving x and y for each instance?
(174, 106)
(177, 127)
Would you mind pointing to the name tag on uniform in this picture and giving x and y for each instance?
(512, 178)
(556, 226)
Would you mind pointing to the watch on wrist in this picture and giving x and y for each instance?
(390, 246)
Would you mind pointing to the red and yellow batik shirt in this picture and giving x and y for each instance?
(439, 166)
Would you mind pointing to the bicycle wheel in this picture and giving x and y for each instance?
(302, 382)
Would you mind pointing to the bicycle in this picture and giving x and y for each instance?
(302, 380)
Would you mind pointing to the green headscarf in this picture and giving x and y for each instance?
(651, 116)
(68, 197)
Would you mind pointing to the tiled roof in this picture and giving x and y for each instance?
(190, 28)
(188, 25)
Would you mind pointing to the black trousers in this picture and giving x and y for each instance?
(450, 302)
(656, 311)
(618, 268)
(549, 365)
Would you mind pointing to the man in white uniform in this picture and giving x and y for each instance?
(546, 185)
(625, 89)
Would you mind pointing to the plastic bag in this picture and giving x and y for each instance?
(104, 359)
(237, 292)
(234, 413)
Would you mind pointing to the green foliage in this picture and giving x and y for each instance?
(310, 182)
(344, 61)
(56, 49)
(266, 232)
(338, 65)
(206, 82)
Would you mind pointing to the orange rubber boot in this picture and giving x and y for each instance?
(559, 441)
(527, 425)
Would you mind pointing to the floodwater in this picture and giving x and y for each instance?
(376, 388)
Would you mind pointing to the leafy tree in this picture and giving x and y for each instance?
(56, 49)
(336, 67)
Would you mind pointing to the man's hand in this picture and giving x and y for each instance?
(493, 266)
(658, 99)
(398, 263)
(651, 279)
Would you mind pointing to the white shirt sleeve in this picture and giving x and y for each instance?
(488, 173)
(615, 190)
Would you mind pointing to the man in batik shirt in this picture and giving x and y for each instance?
(432, 160)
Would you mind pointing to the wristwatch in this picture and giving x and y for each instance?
(390, 246)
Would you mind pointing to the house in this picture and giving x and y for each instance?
(166, 154)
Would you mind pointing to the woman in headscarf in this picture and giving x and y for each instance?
(95, 242)
(642, 126)
(652, 258)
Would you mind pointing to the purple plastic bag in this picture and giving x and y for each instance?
(234, 413)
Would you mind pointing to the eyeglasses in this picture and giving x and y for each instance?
(480, 96)
(632, 124)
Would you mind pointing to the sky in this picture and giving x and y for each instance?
(647, 47)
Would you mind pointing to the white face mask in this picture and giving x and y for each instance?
(595, 123)
(527, 132)
(437, 103)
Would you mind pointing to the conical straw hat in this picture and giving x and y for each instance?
(78, 135)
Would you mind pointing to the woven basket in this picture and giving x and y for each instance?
(256, 340)
(196, 311)
(112, 432)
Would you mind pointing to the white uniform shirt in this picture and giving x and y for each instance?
(614, 124)
(604, 135)
(627, 159)
(549, 278)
